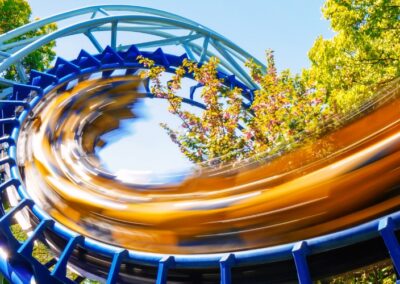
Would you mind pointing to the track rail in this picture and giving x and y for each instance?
(197, 41)
(16, 261)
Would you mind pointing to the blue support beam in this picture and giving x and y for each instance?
(225, 265)
(86, 60)
(5, 223)
(161, 24)
(9, 161)
(21, 71)
(205, 49)
(27, 247)
(10, 182)
(40, 272)
(12, 121)
(22, 91)
(115, 265)
(168, 41)
(114, 30)
(386, 229)
(60, 269)
(299, 252)
(14, 103)
(164, 265)
(94, 41)
(64, 68)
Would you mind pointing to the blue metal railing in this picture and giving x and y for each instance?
(21, 265)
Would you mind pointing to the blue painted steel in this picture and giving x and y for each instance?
(22, 267)
(387, 230)
(142, 20)
(41, 83)
(110, 59)
(5, 222)
(27, 247)
(10, 273)
(164, 264)
(300, 251)
(60, 269)
(225, 265)
(115, 265)
(40, 271)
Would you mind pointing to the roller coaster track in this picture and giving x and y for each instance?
(305, 214)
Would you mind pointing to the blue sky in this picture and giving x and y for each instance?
(289, 27)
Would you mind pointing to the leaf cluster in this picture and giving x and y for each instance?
(13, 14)
(288, 110)
(364, 53)
(284, 110)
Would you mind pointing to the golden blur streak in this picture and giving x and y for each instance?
(346, 178)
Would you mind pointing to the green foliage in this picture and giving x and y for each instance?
(285, 110)
(19, 234)
(3, 280)
(362, 55)
(40, 251)
(13, 14)
(381, 273)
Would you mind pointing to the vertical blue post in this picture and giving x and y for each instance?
(5, 221)
(40, 272)
(163, 266)
(225, 265)
(115, 265)
(27, 247)
(299, 252)
(114, 26)
(386, 229)
(60, 268)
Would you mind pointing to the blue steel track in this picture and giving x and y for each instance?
(18, 266)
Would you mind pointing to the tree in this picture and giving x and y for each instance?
(213, 134)
(285, 111)
(364, 53)
(13, 14)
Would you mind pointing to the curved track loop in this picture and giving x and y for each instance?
(139, 23)
(325, 201)
(366, 146)
(320, 188)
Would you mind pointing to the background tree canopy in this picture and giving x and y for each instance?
(364, 53)
(13, 14)
(345, 72)
(287, 110)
